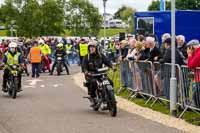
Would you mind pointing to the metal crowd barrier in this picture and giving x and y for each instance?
(162, 76)
(125, 76)
(143, 80)
(152, 81)
(190, 80)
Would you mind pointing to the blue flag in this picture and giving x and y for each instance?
(162, 5)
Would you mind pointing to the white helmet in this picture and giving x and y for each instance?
(92, 43)
(68, 41)
(41, 41)
(60, 45)
(12, 45)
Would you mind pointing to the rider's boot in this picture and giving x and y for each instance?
(20, 86)
(51, 73)
(93, 101)
(4, 89)
(67, 72)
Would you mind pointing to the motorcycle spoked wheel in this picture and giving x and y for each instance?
(111, 101)
(13, 88)
(97, 106)
(58, 69)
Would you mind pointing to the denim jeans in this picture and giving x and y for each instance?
(196, 94)
(35, 69)
(124, 73)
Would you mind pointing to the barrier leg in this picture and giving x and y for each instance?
(181, 115)
(131, 94)
(148, 100)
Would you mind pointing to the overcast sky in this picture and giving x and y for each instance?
(114, 5)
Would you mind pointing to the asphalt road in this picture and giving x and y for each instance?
(54, 104)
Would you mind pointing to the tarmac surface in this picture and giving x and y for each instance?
(55, 104)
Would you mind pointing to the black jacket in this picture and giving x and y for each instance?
(183, 50)
(93, 62)
(154, 53)
(147, 53)
(124, 52)
(60, 53)
(167, 57)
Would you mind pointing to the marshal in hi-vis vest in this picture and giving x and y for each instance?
(83, 49)
(12, 60)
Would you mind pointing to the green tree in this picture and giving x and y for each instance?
(52, 17)
(33, 17)
(118, 13)
(126, 15)
(82, 18)
(155, 5)
(188, 4)
(8, 12)
(180, 5)
(29, 19)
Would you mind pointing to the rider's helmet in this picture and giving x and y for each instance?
(60, 46)
(12, 46)
(41, 41)
(92, 43)
(68, 41)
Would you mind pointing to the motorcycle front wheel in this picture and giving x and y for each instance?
(14, 88)
(112, 104)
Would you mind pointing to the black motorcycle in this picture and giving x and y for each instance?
(13, 81)
(59, 62)
(105, 99)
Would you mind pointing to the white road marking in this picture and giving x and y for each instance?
(26, 86)
(42, 86)
(57, 85)
(33, 81)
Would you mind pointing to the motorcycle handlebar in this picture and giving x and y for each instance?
(95, 75)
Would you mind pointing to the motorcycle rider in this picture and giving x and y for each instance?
(91, 62)
(46, 51)
(113, 50)
(69, 50)
(83, 51)
(60, 52)
(11, 57)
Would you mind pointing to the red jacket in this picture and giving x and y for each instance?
(193, 62)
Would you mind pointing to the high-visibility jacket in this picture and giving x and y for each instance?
(45, 49)
(69, 49)
(12, 60)
(35, 55)
(106, 46)
(112, 47)
(83, 49)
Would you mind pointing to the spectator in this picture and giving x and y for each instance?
(193, 52)
(181, 45)
(146, 49)
(123, 50)
(140, 38)
(167, 55)
(162, 47)
(154, 51)
(131, 51)
(124, 63)
(139, 52)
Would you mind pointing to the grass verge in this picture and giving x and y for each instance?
(3, 32)
(189, 116)
(109, 32)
